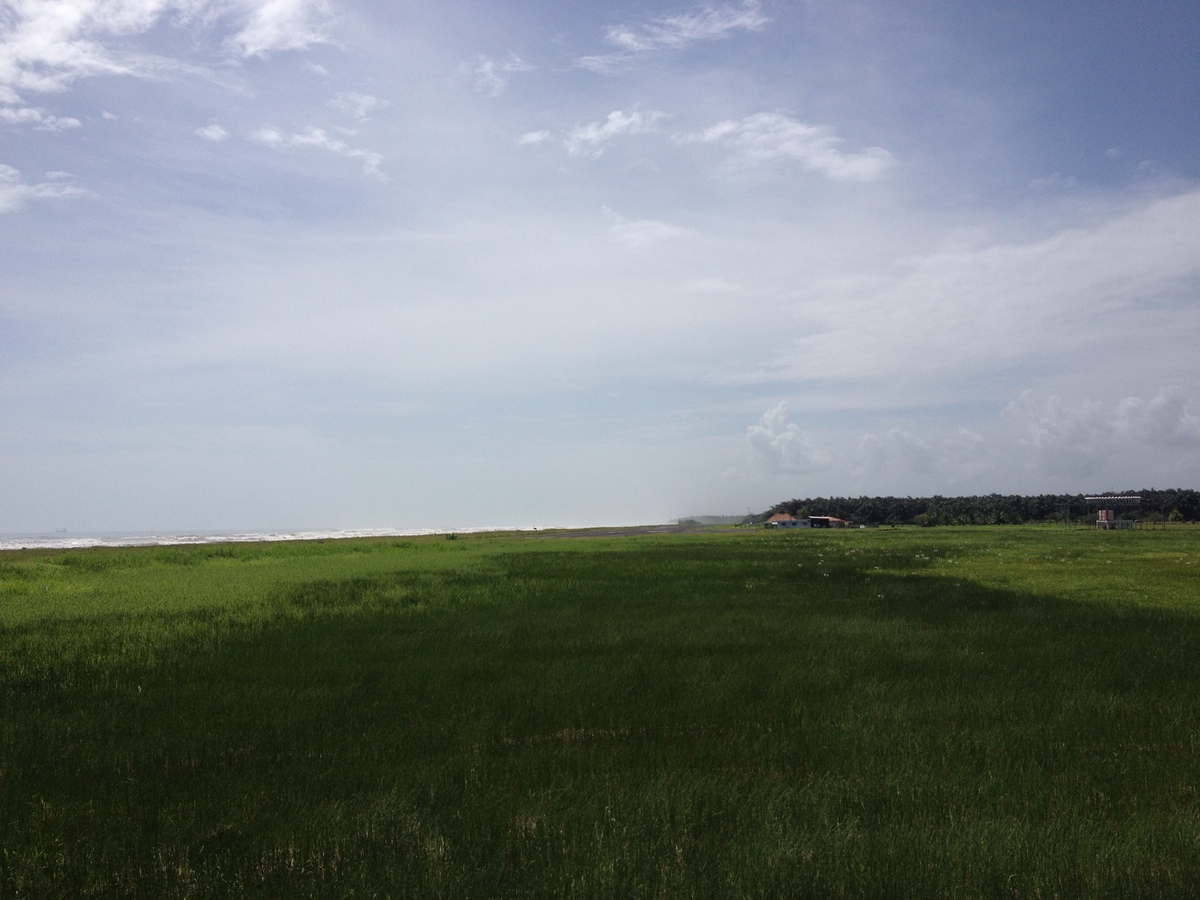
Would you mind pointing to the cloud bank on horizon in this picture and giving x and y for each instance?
(311, 264)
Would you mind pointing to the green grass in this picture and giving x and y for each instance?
(982, 712)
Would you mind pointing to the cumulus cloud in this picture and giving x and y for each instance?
(590, 138)
(640, 234)
(937, 459)
(1068, 440)
(491, 76)
(781, 446)
(1060, 444)
(767, 138)
(15, 192)
(1166, 420)
(214, 133)
(1075, 438)
(709, 23)
(320, 139)
(38, 118)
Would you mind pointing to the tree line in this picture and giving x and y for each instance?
(1175, 505)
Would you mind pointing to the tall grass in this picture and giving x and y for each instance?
(954, 713)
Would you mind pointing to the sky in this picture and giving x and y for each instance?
(272, 264)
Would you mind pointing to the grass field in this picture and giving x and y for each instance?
(977, 712)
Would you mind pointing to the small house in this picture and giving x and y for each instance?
(786, 520)
(827, 522)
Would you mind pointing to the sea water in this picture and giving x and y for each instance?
(72, 541)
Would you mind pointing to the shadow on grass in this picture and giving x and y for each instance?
(672, 719)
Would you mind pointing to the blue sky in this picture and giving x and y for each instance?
(314, 264)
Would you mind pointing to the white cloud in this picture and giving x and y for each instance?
(781, 446)
(38, 118)
(214, 133)
(1068, 440)
(45, 46)
(916, 452)
(709, 23)
(272, 137)
(491, 76)
(898, 455)
(591, 137)
(766, 138)
(1047, 441)
(14, 192)
(271, 25)
(640, 234)
(936, 459)
(1080, 292)
(1165, 420)
(319, 138)
(357, 106)
(1075, 439)
(534, 137)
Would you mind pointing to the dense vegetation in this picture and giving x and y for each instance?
(993, 509)
(985, 712)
